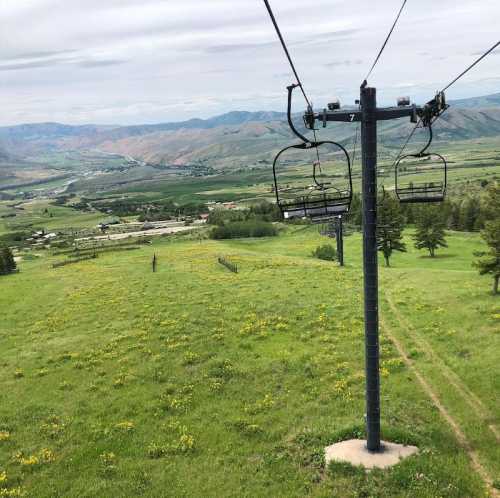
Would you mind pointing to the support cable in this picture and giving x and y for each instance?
(463, 73)
(471, 66)
(386, 40)
(292, 65)
(401, 151)
(285, 48)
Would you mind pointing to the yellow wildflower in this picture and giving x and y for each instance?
(125, 426)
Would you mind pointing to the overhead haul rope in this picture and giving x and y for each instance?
(471, 66)
(292, 65)
(285, 48)
(386, 40)
(479, 59)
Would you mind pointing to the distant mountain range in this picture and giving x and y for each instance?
(486, 101)
(232, 140)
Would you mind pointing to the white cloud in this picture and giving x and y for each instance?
(135, 61)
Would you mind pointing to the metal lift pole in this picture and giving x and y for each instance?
(339, 235)
(370, 264)
(368, 116)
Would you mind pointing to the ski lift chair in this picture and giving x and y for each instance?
(318, 200)
(422, 192)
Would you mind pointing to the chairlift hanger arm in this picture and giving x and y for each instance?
(290, 89)
(424, 152)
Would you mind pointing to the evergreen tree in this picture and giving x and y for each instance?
(490, 261)
(471, 214)
(355, 216)
(8, 264)
(411, 216)
(11, 263)
(389, 227)
(430, 232)
(455, 215)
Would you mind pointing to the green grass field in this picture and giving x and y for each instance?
(34, 216)
(469, 162)
(196, 382)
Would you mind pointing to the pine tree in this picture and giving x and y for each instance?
(430, 232)
(8, 263)
(471, 214)
(455, 217)
(389, 227)
(11, 263)
(355, 215)
(490, 261)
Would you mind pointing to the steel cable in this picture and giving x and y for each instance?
(285, 48)
(471, 66)
(386, 40)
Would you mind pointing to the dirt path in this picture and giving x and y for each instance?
(466, 394)
(476, 464)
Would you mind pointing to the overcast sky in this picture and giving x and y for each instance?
(146, 61)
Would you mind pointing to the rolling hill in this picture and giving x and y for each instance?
(227, 142)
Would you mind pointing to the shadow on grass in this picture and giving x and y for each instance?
(437, 256)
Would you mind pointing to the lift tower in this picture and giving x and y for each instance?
(368, 115)
(339, 236)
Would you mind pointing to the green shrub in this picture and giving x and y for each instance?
(326, 252)
(243, 229)
(7, 263)
(13, 238)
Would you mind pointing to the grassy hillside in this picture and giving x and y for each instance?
(197, 382)
(34, 216)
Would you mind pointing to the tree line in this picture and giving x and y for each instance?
(489, 260)
(468, 214)
(146, 210)
(431, 221)
(254, 221)
(429, 228)
(263, 211)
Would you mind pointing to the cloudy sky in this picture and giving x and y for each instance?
(146, 61)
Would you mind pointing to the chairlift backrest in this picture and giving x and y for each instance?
(423, 191)
(318, 194)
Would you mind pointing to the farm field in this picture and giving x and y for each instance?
(469, 163)
(197, 382)
(33, 215)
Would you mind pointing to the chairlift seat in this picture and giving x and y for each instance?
(319, 200)
(316, 205)
(421, 192)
